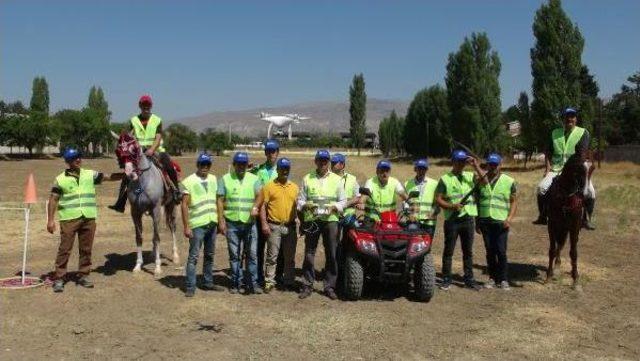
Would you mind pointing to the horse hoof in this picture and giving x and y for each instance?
(137, 268)
(176, 259)
(577, 287)
(157, 272)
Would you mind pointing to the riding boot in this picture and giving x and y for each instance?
(589, 205)
(542, 210)
(121, 202)
(173, 175)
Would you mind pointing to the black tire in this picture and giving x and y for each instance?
(424, 278)
(353, 278)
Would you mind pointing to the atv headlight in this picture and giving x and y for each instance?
(418, 247)
(368, 246)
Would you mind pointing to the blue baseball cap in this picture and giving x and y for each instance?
(241, 157)
(494, 158)
(384, 164)
(283, 163)
(70, 154)
(459, 155)
(421, 163)
(568, 111)
(323, 154)
(271, 144)
(204, 158)
(338, 158)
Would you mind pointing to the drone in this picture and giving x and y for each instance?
(281, 121)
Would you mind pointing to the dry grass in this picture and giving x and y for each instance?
(131, 316)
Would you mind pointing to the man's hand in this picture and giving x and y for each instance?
(188, 232)
(506, 224)
(266, 230)
(456, 207)
(360, 206)
(255, 212)
(51, 226)
(222, 227)
(472, 161)
(149, 152)
(309, 206)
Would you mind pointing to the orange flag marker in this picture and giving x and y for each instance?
(30, 191)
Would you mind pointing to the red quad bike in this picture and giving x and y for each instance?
(390, 251)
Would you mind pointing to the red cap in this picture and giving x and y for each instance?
(145, 99)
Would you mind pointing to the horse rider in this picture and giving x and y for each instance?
(427, 209)
(496, 209)
(266, 172)
(321, 199)
(350, 184)
(459, 215)
(73, 196)
(147, 128)
(237, 198)
(589, 196)
(385, 191)
(200, 222)
(277, 202)
(564, 142)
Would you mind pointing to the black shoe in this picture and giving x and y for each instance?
(329, 292)
(305, 293)
(540, 220)
(234, 290)
(212, 287)
(257, 290)
(58, 286)
(116, 208)
(189, 293)
(473, 285)
(84, 282)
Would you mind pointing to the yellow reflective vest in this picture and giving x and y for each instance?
(147, 135)
(425, 201)
(563, 148)
(495, 202)
(202, 202)
(78, 197)
(239, 196)
(456, 190)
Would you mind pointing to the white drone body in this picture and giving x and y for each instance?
(281, 121)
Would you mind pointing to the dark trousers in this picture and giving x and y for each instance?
(464, 228)
(495, 243)
(329, 233)
(85, 228)
(165, 160)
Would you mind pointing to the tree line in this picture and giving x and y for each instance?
(468, 108)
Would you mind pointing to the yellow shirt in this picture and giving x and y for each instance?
(280, 201)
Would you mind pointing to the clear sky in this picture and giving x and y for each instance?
(199, 56)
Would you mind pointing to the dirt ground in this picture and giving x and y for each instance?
(135, 316)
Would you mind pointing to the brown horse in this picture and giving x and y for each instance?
(565, 206)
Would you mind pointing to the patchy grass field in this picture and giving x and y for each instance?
(131, 316)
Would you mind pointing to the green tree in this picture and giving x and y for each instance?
(556, 63)
(527, 137)
(75, 128)
(473, 95)
(179, 138)
(623, 114)
(589, 101)
(98, 113)
(391, 134)
(214, 141)
(357, 111)
(426, 130)
(40, 95)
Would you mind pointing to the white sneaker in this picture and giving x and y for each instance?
(505, 285)
(490, 284)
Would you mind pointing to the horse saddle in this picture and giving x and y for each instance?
(168, 183)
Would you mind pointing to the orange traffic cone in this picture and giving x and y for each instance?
(30, 191)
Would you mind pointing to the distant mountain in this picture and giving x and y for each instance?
(326, 117)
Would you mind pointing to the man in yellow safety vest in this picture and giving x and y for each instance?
(425, 206)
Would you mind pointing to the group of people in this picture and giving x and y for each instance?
(260, 211)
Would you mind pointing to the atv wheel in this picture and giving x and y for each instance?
(424, 278)
(353, 278)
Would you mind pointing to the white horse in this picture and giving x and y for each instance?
(146, 193)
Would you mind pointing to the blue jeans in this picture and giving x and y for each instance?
(243, 238)
(205, 235)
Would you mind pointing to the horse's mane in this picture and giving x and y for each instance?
(573, 175)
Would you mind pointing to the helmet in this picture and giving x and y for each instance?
(271, 144)
(568, 111)
(145, 99)
(421, 163)
(283, 163)
(241, 157)
(70, 154)
(323, 154)
(459, 155)
(204, 158)
(494, 158)
(384, 164)
(338, 158)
